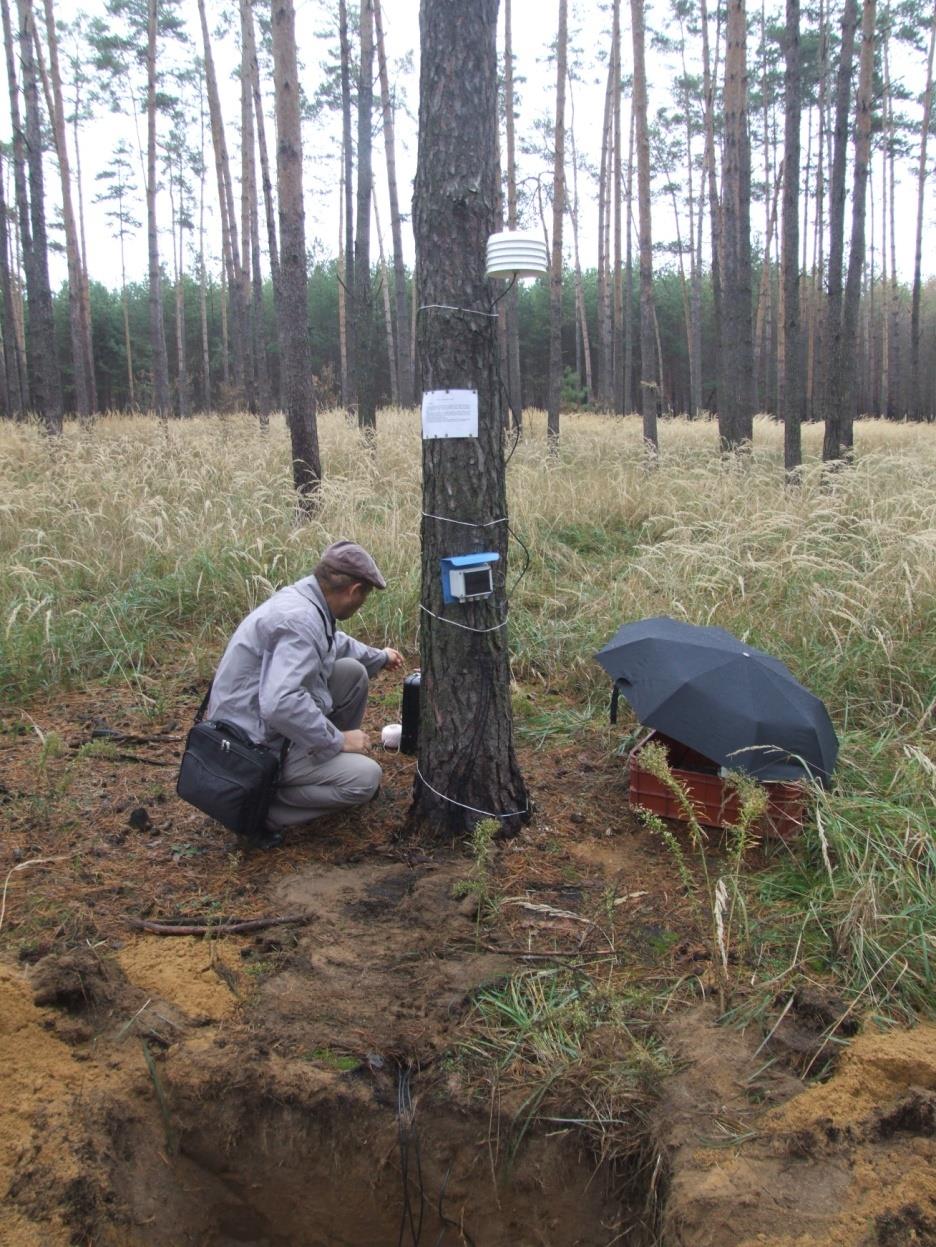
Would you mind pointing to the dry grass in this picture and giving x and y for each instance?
(134, 548)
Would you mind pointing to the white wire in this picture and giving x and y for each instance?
(456, 624)
(473, 808)
(464, 523)
(447, 307)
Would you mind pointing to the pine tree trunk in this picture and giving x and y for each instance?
(791, 391)
(348, 391)
(558, 207)
(649, 381)
(709, 84)
(920, 407)
(467, 765)
(404, 348)
(161, 399)
(14, 363)
(585, 365)
(46, 383)
(388, 312)
(629, 273)
(736, 408)
(28, 362)
(364, 378)
(512, 311)
(230, 249)
(832, 338)
(250, 222)
(80, 327)
(294, 329)
(603, 292)
(617, 334)
(838, 432)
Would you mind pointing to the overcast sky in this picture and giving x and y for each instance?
(534, 29)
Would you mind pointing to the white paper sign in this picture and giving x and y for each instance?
(450, 413)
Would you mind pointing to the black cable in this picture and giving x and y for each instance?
(526, 566)
(447, 1221)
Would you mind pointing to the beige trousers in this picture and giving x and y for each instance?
(309, 788)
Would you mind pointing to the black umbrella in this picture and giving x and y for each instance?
(725, 699)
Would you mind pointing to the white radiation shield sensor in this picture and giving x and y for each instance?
(516, 254)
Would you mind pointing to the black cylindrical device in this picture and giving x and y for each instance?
(409, 738)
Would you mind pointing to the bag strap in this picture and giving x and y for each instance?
(200, 712)
(329, 636)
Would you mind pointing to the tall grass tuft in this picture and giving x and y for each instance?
(133, 549)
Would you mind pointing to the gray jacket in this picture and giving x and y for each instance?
(273, 677)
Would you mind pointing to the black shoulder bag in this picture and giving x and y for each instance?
(228, 777)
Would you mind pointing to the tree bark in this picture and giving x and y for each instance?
(648, 374)
(161, 399)
(839, 424)
(791, 390)
(230, 248)
(294, 329)
(250, 220)
(580, 311)
(13, 361)
(467, 765)
(921, 409)
(28, 360)
(363, 289)
(617, 332)
(735, 406)
(558, 212)
(46, 383)
(709, 82)
(79, 325)
(404, 348)
(348, 391)
(512, 310)
(388, 311)
(832, 337)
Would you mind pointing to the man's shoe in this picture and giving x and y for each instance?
(270, 839)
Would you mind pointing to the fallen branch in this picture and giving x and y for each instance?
(223, 926)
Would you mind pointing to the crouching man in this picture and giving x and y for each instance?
(289, 673)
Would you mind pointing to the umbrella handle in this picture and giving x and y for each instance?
(615, 694)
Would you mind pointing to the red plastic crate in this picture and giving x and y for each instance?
(715, 802)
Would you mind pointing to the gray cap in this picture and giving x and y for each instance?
(353, 560)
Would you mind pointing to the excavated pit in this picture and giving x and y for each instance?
(342, 1168)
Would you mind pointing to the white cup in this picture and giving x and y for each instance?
(390, 735)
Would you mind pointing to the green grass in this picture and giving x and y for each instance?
(129, 552)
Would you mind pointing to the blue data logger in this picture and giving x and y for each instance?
(468, 577)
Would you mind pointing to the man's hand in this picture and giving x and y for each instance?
(355, 741)
(394, 660)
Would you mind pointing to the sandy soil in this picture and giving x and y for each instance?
(291, 1086)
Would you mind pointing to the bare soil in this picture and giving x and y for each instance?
(295, 1085)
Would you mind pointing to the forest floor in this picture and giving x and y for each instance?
(351, 1078)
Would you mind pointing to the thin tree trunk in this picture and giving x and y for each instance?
(160, 367)
(514, 391)
(202, 273)
(83, 252)
(363, 290)
(694, 336)
(735, 414)
(579, 287)
(46, 381)
(467, 765)
(709, 85)
(839, 423)
(342, 312)
(14, 362)
(617, 335)
(250, 222)
(349, 381)
(388, 312)
(29, 363)
(294, 329)
(605, 339)
(648, 374)
(80, 327)
(558, 205)
(629, 273)
(920, 407)
(401, 322)
(832, 337)
(230, 249)
(790, 400)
